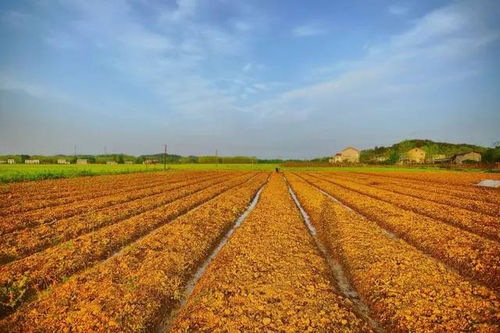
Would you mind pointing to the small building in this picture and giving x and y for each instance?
(349, 155)
(151, 162)
(11, 161)
(414, 155)
(3, 161)
(460, 158)
(82, 161)
(62, 161)
(32, 161)
(111, 162)
(129, 162)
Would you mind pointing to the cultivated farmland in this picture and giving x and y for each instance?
(230, 251)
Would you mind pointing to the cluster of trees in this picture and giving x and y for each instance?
(492, 155)
(199, 159)
(391, 155)
(52, 159)
(122, 158)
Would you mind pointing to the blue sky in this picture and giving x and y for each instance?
(265, 78)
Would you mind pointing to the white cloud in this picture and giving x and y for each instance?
(202, 72)
(33, 89)
(439, 50)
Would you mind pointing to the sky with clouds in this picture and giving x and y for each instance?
(278, 78)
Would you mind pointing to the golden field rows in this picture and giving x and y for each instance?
(236, 251)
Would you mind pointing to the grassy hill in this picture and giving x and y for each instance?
(432, 148)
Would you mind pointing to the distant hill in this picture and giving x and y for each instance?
(432, 148)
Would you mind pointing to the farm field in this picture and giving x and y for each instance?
(251, 250)
(27, 172)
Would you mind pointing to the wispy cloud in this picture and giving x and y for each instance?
(199, 67)
(436, 52)
(308, 30)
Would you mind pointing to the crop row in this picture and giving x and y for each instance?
(58, 188)
(467, 192)
(470, 192)
(269, 277)
(135, 289)
(474, 256)
(46, 215)
(481, 224)
(426, 193)
(406, 290)
(26, 204)
(465, 179)
(461, 181)
(22, 243)
(55, 264)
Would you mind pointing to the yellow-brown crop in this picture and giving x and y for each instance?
(420, 252)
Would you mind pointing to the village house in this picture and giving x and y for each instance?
(82, 161)
(414, 155)
(11, 161)
(3, 161)
(460, 158)
(111, 162)
(349, 155)
(151, 162)
(32, 161)
(62, 161)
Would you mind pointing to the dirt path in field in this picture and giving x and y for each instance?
(169, 319)
(337, 270)
(391, 234)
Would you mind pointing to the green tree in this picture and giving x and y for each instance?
(393, 158)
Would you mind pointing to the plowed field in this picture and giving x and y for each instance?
(232, 251)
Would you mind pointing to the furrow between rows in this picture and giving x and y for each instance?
(425, 193)
(407, 290)
(21, 279)
(270, 276)
(46, 215)
(483, 225)
(34, 192)
(473, 256)
(135, 289)
(443, 182)
(22, 243)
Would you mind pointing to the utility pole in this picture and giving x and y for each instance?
(216, 157)
(165, 158)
